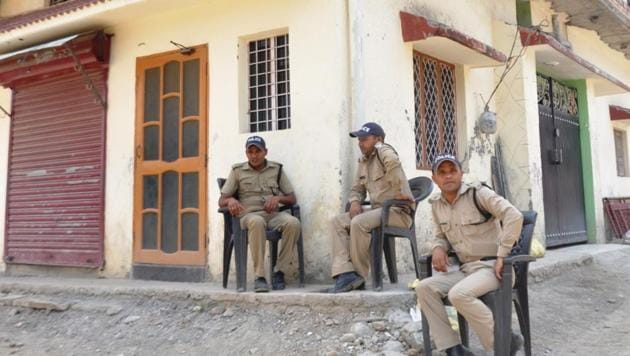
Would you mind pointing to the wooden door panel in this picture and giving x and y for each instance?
(170, 159)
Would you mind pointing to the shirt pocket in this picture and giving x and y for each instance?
(481, 238)
(271, 185)
(472, 218)
(249, 185)
(444, 226)
(378, 180)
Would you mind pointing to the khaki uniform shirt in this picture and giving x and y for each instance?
(459, 224)
(380, 175)
(255, 187)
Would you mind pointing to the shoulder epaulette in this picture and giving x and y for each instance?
(238, 165)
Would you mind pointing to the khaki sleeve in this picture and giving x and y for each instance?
(393, 169)
(503, 210)
(439, 237)
(231, 184)
(285, 185)
(357, 192)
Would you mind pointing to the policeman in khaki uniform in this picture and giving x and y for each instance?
(379, 174)
(461, 226)
(262, 186)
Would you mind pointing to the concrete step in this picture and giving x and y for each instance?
(555, 263)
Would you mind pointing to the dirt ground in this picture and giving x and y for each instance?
(585, 312)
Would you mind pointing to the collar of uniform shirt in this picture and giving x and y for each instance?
(249, 166)
(365, 158)
(462, 189)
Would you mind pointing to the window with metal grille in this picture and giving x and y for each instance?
(55, 2)
(269, 85)
(620, 153)
(435, 108)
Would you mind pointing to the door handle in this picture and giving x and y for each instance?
(139, 152)
(555, 155)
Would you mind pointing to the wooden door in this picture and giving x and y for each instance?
(171, 159)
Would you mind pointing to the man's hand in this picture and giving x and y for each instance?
(235, 207)
(272, 203)
(355, 209)
(439, 259)
(401, 196)
(498, 268)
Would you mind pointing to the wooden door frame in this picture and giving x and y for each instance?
(199, 163)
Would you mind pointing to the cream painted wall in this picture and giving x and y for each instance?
(16, 7)
(609, 183)
(5, 102)
(311, 150)
(377, 88)
(328, 47)
(387, 75)
(517, 116)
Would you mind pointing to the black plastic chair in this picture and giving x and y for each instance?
(235, 238)
(383, 237)
(500, 300)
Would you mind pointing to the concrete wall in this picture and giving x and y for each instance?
(602, 135)
(353, 68)
(318, 155)
(16, 7)
(387, 76)
(606, 181)
(381, 90)
(518, 133)
(311, 150)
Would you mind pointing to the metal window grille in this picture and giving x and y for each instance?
(55, 2)
(620, 153)
(269, 84)
(435, 108)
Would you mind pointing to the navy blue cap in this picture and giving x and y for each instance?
(256, 141)
(444, 157)
(370, 128)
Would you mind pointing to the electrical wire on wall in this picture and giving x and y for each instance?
(487, 119)
(481, 143)
(4, 112)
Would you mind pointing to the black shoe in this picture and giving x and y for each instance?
(348, 281)
(458, 350)
(516, 343)
(260, 285)
(277, 281)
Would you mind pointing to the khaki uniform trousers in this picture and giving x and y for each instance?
(351, 239)
(257, 223)
(463, 288)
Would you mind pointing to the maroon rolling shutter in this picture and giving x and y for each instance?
(55, 195)
(56, 173)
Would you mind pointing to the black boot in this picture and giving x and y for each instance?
(277, 281)
(346, 282)
(260, 285)
(458, 350)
